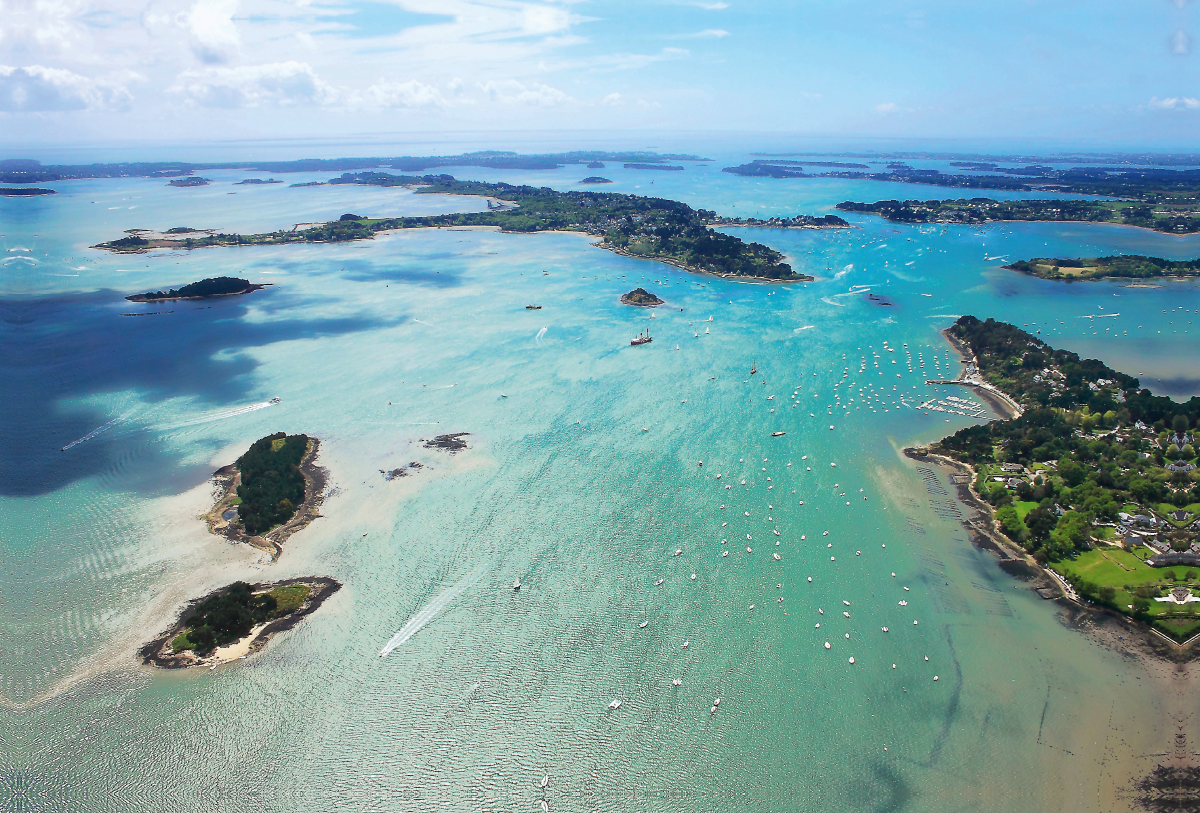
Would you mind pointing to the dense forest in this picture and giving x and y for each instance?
(1134, 266)
(654, 228)
(213, 286)
(272, 485)
(1091, 443)
(226, 617)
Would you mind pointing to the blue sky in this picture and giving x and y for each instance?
(1095, 74)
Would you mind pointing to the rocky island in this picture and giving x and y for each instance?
(204, 289)
(642, 298)
(236, 621)
(1095, 479)
(272, 491)
(640, 227)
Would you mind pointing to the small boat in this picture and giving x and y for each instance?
(533, 307)
(676, 682)
(545, 805)
(685, 644)
(517, 584)
(616, 704)
(754, 368)
(770, 397)
(777, 557)
(642, 338)
(502, 395)
(693, 577)
(642, 625)
(678, 552)
(657, 583)
(545, 781)
(274, 400)
(778, 434)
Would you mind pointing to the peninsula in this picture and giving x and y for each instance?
(642, 298)
(204, 289)
(1095, 479)
(271, 492)
(1127, 266)
(236, 621)
(640, 227)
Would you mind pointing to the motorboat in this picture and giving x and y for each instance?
(642, 625)
(616, 704)
(778, 434)
(517, 584)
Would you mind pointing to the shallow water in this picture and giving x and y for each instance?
(582, 482)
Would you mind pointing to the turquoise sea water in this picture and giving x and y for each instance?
(583, 477)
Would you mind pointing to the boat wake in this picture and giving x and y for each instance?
(94, 432)
(429, 611)
(540, 334)
(220, 416)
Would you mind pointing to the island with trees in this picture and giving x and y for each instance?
(24, 192)
(793, 222)
(257, 181)
(272, 491)
(1096, 479)
(636, 226)
(595, 179)
(189, 182)
(236, 621)
(204, 289)
(642, 298)
(1125, 266)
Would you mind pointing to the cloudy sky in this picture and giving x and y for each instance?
(109, 71)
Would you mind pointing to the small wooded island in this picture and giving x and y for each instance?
(188, 182)
(1130, 266)
(642, 298)
(213, 286)
(641, 227)
(595, 179)
(1097, 479)
(236, 621)
(270, 492)
(26, 192)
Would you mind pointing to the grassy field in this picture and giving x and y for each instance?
(289, 597)
(180, 642)
(1125, 571)
(1023, 508)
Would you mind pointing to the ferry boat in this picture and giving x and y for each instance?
(642, 338)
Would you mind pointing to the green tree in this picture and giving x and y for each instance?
(1011, 524)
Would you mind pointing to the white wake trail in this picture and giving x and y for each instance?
(427, 613)
(220, 416)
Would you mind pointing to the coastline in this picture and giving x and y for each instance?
(1000, 402)
(983, 531)
(157, 652)
(227, 479)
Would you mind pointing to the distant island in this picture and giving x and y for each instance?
(270, 492)
(595, 179)
(24, 170)
(767, 169)
(641, 227)
(1130, 266)
(256, 181)
(663, 167)
(188, 182)
(236, 621)
(11, 192)
(1095, 478)
(642, 298)
(213, 286)
(986, 210)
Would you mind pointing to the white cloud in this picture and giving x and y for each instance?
(279, 83)
(399, 94)
(510, 91)
(708, 32)
(214, 36)
(887, 107)
(1174, 103)
(718, 6)
(613, 99)
(39, 89)
(544, 20)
